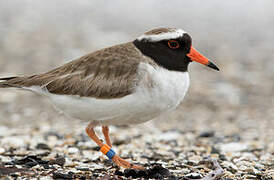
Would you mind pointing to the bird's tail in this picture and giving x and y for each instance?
(8, 82)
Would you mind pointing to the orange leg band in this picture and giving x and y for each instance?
(106, 150)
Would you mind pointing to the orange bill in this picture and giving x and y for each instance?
(194, 55)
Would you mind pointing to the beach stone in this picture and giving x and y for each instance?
(73, 150)
(13, 141)
(233, 147)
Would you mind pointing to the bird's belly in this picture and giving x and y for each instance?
(142, 105)
(132, 109)
(118, 111)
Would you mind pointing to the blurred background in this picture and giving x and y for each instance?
(36, 36)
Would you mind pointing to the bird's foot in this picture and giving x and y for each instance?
(110, 153)
(123, 163)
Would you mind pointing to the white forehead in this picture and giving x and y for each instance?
(170, 34)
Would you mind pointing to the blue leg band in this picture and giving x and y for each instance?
(110, 153)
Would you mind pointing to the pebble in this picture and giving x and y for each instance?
(233, 147)
(243, 168)
(45, 178)
(168, 136)
(42, 146)
(207, 134)
(92, 155)
(59, 160)
(249, 156)
(82, 168)
(155, 172)
(2, 150)
(60, 175)
(195, 159)
(69, 163)
(193, 175)
(12, 141)
(73, 150)
(228, 164)
(5, 159)
(259, 166)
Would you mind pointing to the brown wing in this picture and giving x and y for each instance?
(108, 73)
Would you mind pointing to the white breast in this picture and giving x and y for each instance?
(168, 88)
(159, 91)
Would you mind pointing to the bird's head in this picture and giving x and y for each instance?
(171, 48)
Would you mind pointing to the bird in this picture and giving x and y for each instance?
(125, 84)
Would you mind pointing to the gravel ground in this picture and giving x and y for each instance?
(227, 116)
(56, 150)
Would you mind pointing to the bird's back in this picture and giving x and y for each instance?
(107, 73)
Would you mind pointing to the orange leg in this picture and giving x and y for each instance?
(91, 133)
(116, 159)
(105, 131)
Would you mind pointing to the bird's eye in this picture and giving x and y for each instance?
(173, 44)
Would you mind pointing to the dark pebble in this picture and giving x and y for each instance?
(215, 150)
(59, 160)
(108, 163)
(154, 157)
(42, 146)
(57, 175)
(118, 173)
(9, 163)
(132, 173)
(44, 154)
(120, 142)
(83, 168)
(156, 172)
(31, 164)
(207, 134)
(9, 170)
(106, 177)
(30, 161)
(46, 166)
(222, 157)
(96, 148)
(14, 175)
